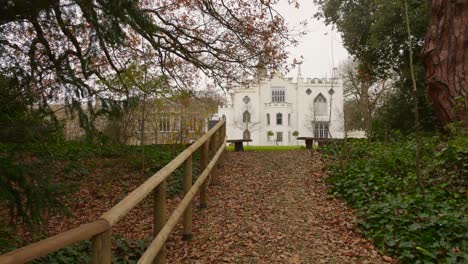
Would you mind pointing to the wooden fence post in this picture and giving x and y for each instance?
(213, 148)
(203, 164)
(222, 137)
(102, 247)
(188, 212)
(159, 217)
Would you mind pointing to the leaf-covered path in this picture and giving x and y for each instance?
(272, 207)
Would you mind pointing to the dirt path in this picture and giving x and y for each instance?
(272, 207)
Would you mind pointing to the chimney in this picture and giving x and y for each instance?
(299, 72)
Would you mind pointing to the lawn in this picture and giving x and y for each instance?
(266, 148)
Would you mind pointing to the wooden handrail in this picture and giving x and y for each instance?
(54, 243)
(137, 195)
(161, 238)
(99, 230)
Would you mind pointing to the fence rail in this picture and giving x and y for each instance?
(99, 231)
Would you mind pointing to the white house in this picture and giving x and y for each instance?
(270, 111)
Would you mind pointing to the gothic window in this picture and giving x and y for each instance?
(277, 95)
(279, 136)
(321, 130)
(164, 123)
(246, 134)
(268, 119)
(320, 105)
(279, 119)
(246, 99)
(289, 119)
(246, 117)
(308, 92)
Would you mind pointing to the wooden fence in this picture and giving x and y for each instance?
(99, 232)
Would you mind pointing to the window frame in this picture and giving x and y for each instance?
(321, 129)
(278, 95)
(279, 136)
(164, 123)
(320, 105)
(246, 132)
(246, 117)
(279, 117)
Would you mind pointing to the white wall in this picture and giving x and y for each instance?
(297, 103)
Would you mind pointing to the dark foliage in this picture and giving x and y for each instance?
(74, 163)
(24, 176)
(380, 181)
(374, 33)
(397, 110)
(124, 251)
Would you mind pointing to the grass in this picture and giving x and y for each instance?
(266, 148)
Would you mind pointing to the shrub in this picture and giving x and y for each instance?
(124, 251)
(380, 182)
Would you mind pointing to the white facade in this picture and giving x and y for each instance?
(312, 107)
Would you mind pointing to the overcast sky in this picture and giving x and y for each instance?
(316, 46)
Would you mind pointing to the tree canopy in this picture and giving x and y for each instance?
(73, 52)
(67, 45)
(373, 31)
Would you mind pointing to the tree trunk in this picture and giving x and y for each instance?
(143, 120)
(365, 100)
(446, 59)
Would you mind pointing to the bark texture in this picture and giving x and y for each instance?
(446, 59)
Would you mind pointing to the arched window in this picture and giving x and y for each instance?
(246, 117)
(320, 105)
(246, 134)
(289, 119)
(268, 119)
(224, 117)
(279, 119)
